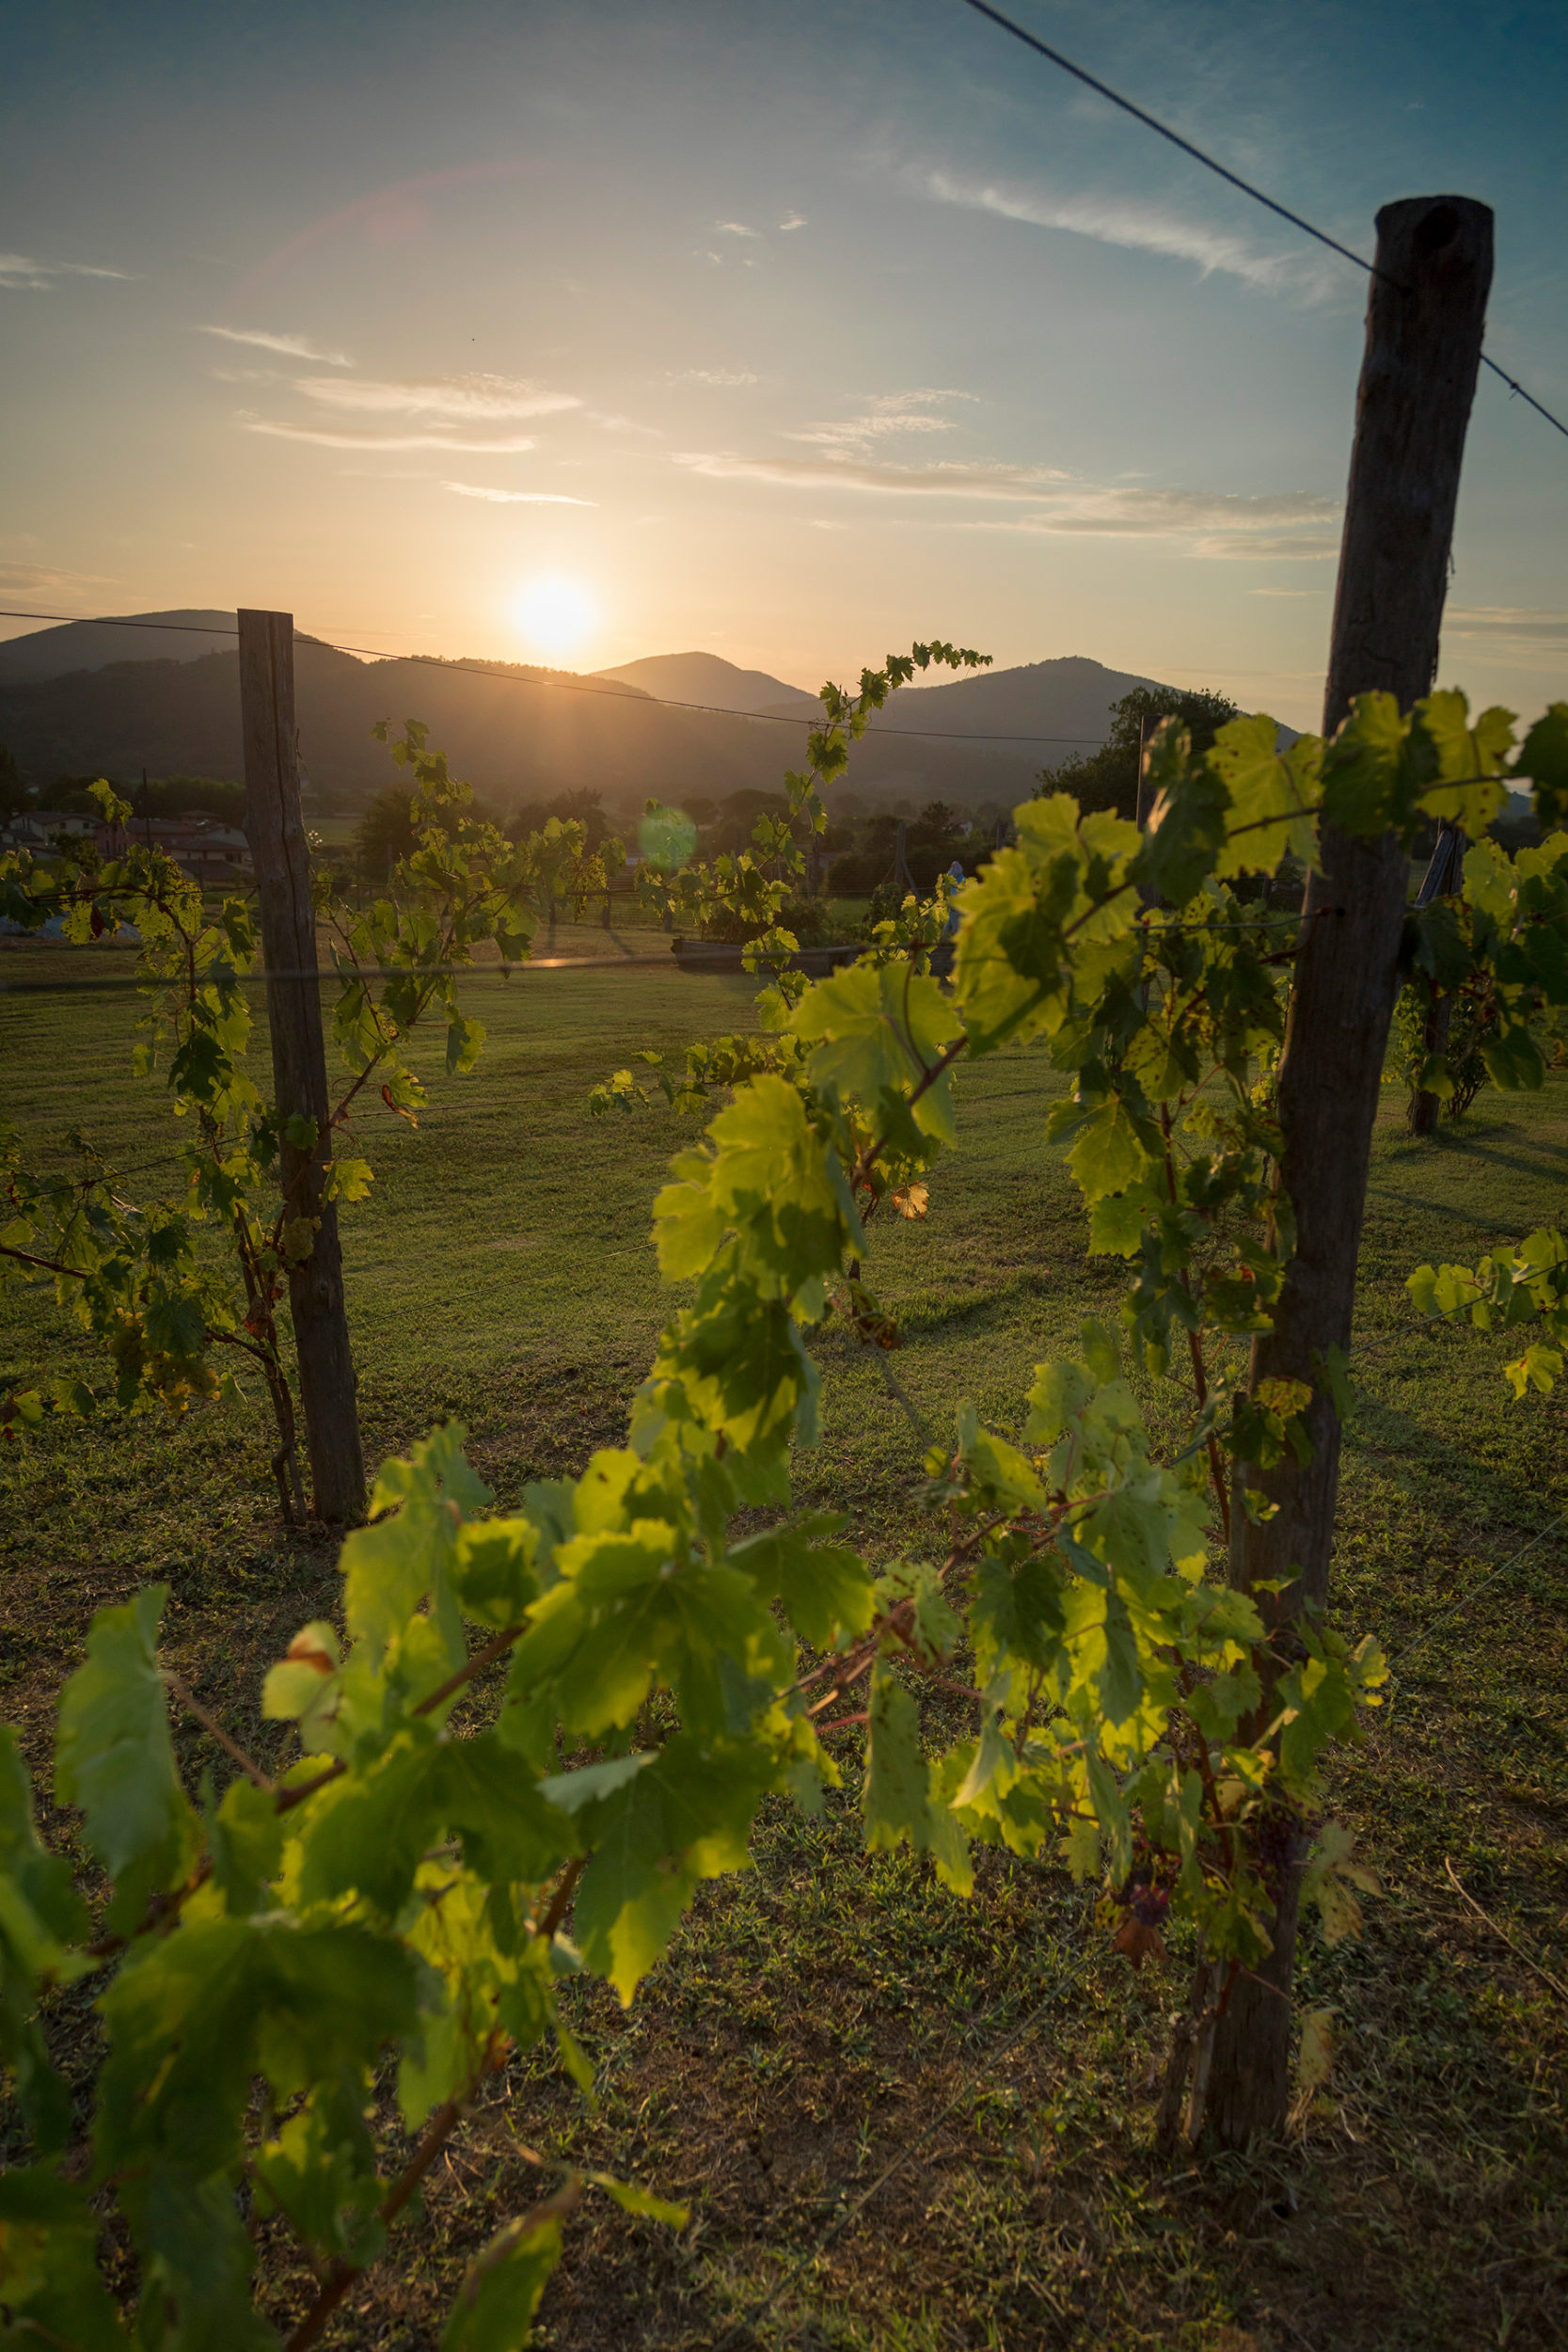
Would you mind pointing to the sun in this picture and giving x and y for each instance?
(556, 613)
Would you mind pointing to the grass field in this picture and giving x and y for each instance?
(828, 2013)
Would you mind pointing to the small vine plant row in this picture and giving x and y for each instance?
(537, 1732)
(176, 1288)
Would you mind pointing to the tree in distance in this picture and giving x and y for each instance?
(1108, 778)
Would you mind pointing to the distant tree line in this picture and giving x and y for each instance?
(154, 796)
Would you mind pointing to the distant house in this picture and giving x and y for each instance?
(36, 828)
(213, 853)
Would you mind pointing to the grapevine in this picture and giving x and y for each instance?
(136, 1276)
(547, 1727)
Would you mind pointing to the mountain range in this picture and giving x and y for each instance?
(73, 703)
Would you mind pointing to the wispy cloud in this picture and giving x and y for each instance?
(1530, 624)
(514, 498)
(47, 580)
(734, 229)
(328, 436)
(1053, 502)
(291, 346)
(459, 398)
(882, 418)
(1518, 637)
(20, 271)
(1143, 512)
(726, 378)
(941, 481)
(792, 220)
(1143, 227)
(1268, 549)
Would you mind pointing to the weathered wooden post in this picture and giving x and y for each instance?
(1425, 315)
(275, 827)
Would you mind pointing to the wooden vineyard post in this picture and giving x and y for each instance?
(274, 828)
(1425, 315)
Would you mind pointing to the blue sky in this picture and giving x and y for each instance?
(792, 331)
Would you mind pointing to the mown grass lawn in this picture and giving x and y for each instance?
(828, 2013)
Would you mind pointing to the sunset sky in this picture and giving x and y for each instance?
(791, 331)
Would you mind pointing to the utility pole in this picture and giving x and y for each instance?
(1425, 315)
(1145, 801)
(275, 827)
(1443, 878)
(902, 878)
(1145, 791)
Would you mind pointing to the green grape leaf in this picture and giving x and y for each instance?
(1112, 1153)
(825, 1589)
(1538, 1368)
(1015, 1612)
(1272, 795)
(510, 1832)
(320, 2170)
(1000, 1475)
(500, 2292)
(1105, 1647)
(1467, 786)
(347, 1180)
(899, 1802)
(115, 1759)
(465, 1043)
(41, 1914)
(597, 1634)
(51, 2292)
(642, 2202)
(768, 1182)
(1544, 758)
(933, 1626)
(1060, 1392)
(877, 1029)
(1116, 1222)
(1514, 1059)
(246, 1835)
(591, 1783)
(1109, 1800)
(896, 1780)
(1367, 785)
(744, 1373)
(1061, 899)
(194, 2017)
(388, 1568)
(195, 2256)
(366, 1834)
(492, 1572)
(1185, 836)
(1317, 1704)
(1332, 1878)
(683, 1818)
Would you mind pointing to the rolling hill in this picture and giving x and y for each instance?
(185, 636)
(520, 733)
(705, 677)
